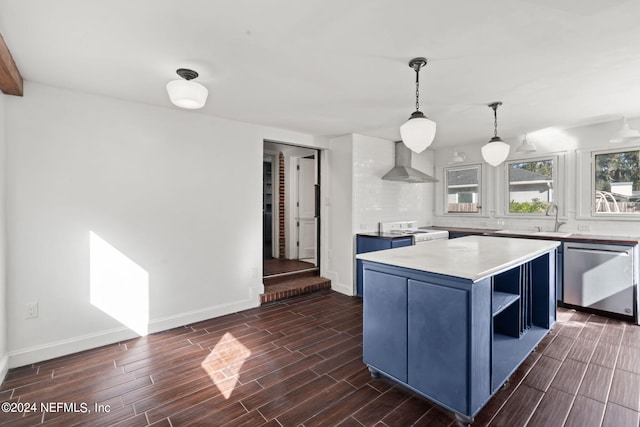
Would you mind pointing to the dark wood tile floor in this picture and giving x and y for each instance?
(299, 362)
(273, 266)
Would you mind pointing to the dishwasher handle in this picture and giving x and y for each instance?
(599, 251)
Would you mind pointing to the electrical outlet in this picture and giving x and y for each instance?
(32, 310)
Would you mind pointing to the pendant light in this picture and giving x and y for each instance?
(418, 132)
(496, 150)
(186, 93)
(625, 133)
(526, 146)
(458, 157)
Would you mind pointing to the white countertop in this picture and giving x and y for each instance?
(471, 257)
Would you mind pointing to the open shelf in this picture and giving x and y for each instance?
(502, 300)
(510, 352)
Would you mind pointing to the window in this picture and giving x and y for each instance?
(463, 189)
(530, 186)
(616, 182)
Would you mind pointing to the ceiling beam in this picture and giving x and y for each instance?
(10, 78)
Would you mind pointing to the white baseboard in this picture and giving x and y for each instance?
(169, 322)
(339, 287)
(48, 351)
(343, 289)
(38, 353)
(4, 366)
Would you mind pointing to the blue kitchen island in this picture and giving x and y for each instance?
(453, 319)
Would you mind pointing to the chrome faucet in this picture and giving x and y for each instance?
(553, 207)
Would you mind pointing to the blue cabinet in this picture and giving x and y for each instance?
(441, 334)
(385, 338)
(456, 234)
(366, 244)
(451, 340)
(560, 273)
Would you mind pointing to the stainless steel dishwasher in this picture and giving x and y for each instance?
(602, 277)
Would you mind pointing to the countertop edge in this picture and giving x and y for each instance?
(585, 238)
(379, 235)
(380, 257)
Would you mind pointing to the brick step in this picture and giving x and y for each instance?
(294, 287)
(285, 277)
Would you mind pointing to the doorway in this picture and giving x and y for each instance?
(291, 211)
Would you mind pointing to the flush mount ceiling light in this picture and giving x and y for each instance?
(526, 146)
(458, 157)
(418, 132)
(625, 133)
(186, 93)
(496, 150)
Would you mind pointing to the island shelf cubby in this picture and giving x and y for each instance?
(523, 316)
(453, 339)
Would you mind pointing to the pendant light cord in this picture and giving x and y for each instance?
(418, 88)
(495, 106)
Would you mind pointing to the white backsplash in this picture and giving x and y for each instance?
(376, 200)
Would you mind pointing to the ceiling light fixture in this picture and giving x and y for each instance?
(458, 157)
(526, 146)
(496, 150)
(186, 93)
(626, 133)
(418, 132)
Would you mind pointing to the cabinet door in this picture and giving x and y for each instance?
(438, 342)
(371, 244)
(399, 243)
(385, 323)
(366, 244)
(559, 273)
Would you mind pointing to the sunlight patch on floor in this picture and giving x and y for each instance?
(224, 363)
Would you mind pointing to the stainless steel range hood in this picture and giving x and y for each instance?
(402, 171)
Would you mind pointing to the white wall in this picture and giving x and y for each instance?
(338, 201)
(572, 147)
(176, 192)
(4, 349)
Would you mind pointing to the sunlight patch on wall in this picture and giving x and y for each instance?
(552, 139)
(224, 363)
(118, 286)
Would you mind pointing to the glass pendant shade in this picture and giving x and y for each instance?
(495, 151)
(187, 94)
(418, 132)
(625, 133)
(526, 146)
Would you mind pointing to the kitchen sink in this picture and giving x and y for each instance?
(535, 233)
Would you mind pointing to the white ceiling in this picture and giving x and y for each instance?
(334, 67)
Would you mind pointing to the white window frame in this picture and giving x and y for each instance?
(555, 183)
(443, 209)
(592, 187)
